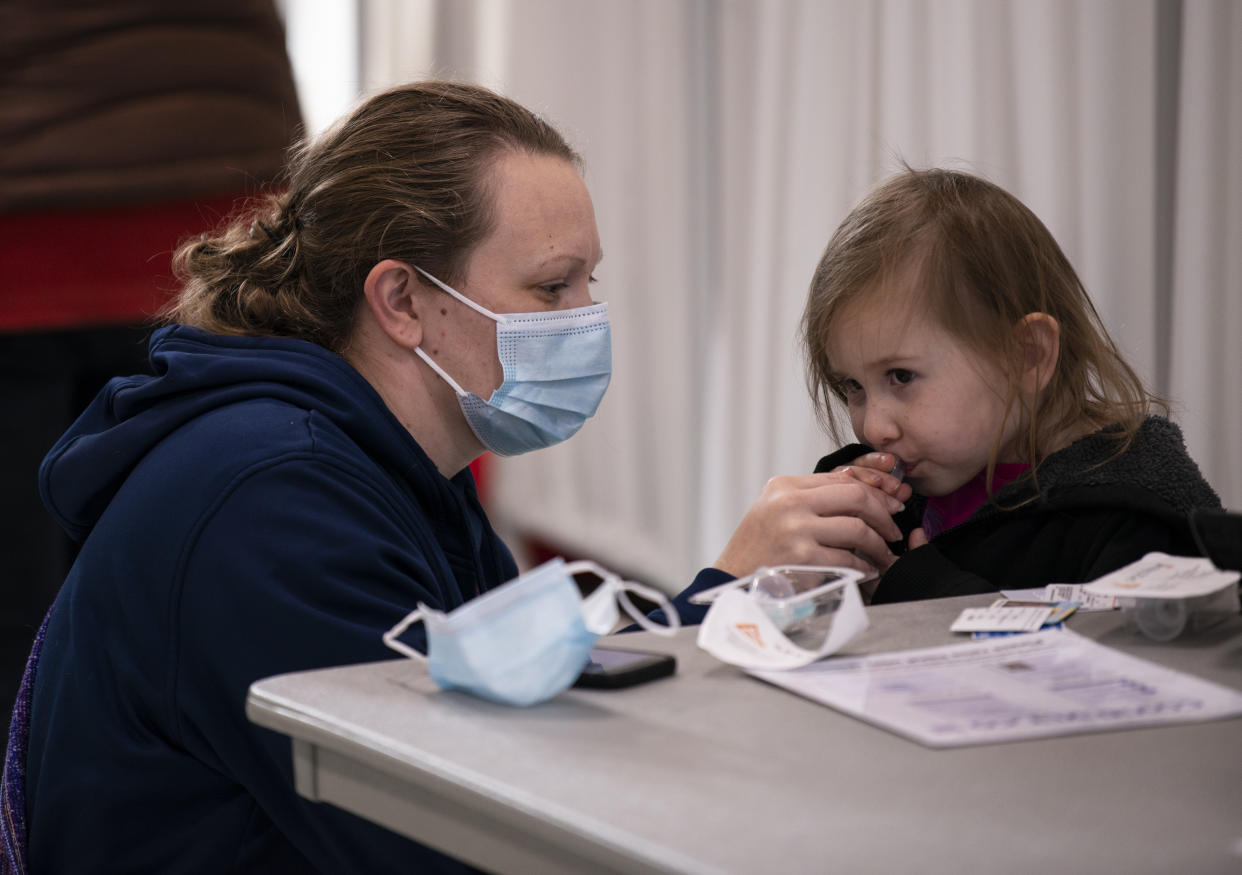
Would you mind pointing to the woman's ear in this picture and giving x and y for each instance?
(391, 296)
(1038, 342)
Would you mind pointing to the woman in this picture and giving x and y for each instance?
(293, 478)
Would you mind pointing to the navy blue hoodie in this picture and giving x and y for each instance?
(252, 509)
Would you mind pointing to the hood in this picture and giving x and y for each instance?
(1154, 475)
(196, 372)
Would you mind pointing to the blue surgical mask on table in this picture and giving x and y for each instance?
(557, 366)
(529, 639)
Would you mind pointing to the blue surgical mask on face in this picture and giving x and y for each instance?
(529, 639)
(557, 366)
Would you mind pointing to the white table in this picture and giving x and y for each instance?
(714, 771)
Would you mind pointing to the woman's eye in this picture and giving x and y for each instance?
(901, 376)
(553, 289)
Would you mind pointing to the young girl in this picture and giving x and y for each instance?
(946, 320)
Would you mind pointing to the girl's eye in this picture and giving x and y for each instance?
(848, 390)
(901, 376)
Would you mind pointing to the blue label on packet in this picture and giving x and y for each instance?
(1053, 625)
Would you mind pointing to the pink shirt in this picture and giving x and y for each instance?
(946, 511)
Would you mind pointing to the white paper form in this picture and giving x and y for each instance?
(1159, 575)
(1054, 682)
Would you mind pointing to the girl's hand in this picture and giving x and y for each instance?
(917, 538)
(875, 469)
(815, 519)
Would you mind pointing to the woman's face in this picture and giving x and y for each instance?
(540, 256)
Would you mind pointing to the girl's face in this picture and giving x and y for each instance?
(916, 392)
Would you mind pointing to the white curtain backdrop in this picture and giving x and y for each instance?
(724, 142)
(1206, 331)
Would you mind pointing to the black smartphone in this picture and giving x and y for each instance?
(611, 669)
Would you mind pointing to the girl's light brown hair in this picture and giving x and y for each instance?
(981, 261)
(405, 176)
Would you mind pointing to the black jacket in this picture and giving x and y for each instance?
(1086, 515)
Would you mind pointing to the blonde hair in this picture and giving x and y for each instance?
(982, 261)
(405, 176)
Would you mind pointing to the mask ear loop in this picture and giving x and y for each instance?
(478, 308)
(461, 393)
(672, 618)
(390, 637)
(621, 587)
(499, 318)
